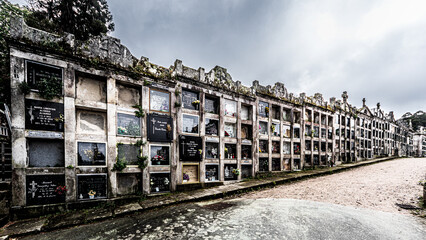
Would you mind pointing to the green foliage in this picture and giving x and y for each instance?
(146, 82)
(139, 113)
(79, 17)
(178, 104)
(7, 11)
(177, 92)
(70, 167)
(24, 88)
(140, 143)
(119, 165)
(142, 162)
(49, 88)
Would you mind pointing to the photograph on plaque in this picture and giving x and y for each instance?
(212, 127)
(286, 147)
(230, 108)
(190, 100)
(189, 123)
(45, 189)
(39, 72)
(128, 125)
(228, 173)
(212, 173)
(160, 155)
(42, 115)
(190, 148)
(159, 101)
(263, 109)
(91, 186)
(160, 128)
(211, 105)
(246, 131)
(160, 182)
(212, 150)
(128, 153)
(91, 154)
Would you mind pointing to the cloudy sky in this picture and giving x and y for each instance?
(371, 48)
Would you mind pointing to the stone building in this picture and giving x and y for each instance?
(93, 119)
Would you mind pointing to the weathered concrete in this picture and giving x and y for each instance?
(251, 219)
(157, 201)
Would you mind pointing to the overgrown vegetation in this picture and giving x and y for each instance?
(139, 112)
(119, 165)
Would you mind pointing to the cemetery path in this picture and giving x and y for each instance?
(379, 186)
(251, 219)
(371, 190)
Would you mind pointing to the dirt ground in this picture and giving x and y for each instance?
(378, 186)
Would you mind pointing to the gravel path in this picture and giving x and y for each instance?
(378, 186)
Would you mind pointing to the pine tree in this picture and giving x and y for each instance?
(83, 18)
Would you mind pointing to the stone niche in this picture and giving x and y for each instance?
(129, 183)
(246, 171)
(128, 153)
(91, 122)
(45, 153)
(190, 171)
(128, 96)
(90, 89)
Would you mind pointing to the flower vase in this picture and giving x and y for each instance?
(157, 189)
(91, 196)
(196, 106)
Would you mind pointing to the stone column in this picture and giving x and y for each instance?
(112, 134)
(19, 150)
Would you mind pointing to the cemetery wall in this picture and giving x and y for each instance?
(120, 126)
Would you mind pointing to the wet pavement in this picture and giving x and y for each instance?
(251, 219)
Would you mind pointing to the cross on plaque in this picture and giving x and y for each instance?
(33, 188)
(153, 125)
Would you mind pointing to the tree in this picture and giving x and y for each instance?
(83, 18)
(7, 11)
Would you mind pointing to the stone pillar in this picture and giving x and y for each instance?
(69, 133)
(19, 150)
(112, 135)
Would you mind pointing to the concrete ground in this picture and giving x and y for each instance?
(251, 219)
(377, 187)
(258, 216)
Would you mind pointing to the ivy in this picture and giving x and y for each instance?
(177, 105)
(142, 162)
(139, 113)
(177, 92)
(24, 88)
(119, 165)
(140, 143)
(49, 88)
